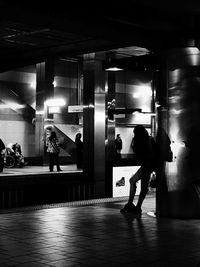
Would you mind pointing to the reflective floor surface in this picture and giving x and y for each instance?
(97, 235)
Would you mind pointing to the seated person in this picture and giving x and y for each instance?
(18, 154)
(9, 149)
(17, 149)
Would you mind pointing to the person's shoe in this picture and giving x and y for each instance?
(59, 170)
(138, 210)
(129, 207)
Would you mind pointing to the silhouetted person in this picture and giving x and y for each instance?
(2, 147)
(53, 151)
(79, 151)
(118, 144)
(144, 149)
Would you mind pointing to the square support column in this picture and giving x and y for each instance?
(44, 91)
(94, 125)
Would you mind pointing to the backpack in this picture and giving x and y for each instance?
(163, 146)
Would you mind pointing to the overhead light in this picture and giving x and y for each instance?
(111, 65)
(113, 69)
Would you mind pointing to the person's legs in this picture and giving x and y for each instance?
(133, 180)
(79, 162)
(56, 156)
(142, 174)
(51, 161)
(145, 177)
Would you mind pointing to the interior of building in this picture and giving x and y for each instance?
(99, 72)
(96, 70)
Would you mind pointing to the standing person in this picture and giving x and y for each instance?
(144, 149)
(79, 151)
(118, 144)
(2, 147)
(53, 150)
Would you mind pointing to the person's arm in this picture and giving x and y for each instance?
(133, 145)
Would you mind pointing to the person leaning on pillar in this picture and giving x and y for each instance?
(144, 147)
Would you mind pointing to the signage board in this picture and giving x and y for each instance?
(121, 177)
(75, 108)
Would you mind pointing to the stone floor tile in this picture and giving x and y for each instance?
(97, 235)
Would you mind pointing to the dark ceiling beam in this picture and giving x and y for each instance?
(98, 28)
(107, 23)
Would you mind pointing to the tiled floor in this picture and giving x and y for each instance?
(97, 235)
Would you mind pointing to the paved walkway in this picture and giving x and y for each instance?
(96, 235)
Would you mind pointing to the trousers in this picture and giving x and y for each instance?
(54, 159)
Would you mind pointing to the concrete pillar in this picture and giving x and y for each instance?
(178, 97)
(94, 124)
(44, 91)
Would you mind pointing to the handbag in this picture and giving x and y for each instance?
(55, 147)
(169, 157)
(167, 154)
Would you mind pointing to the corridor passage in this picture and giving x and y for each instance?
(96, 234)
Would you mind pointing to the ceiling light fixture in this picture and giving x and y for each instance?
(111, 65)
(113, 69)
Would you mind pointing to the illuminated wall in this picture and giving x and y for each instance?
(133, 90)
(18, 104)
(17, 108)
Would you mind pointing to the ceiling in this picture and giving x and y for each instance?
(33, 31)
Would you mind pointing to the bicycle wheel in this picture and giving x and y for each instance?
(9, 162)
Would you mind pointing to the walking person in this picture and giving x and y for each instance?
(144, 149)
(79, 151)
(53, 151)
